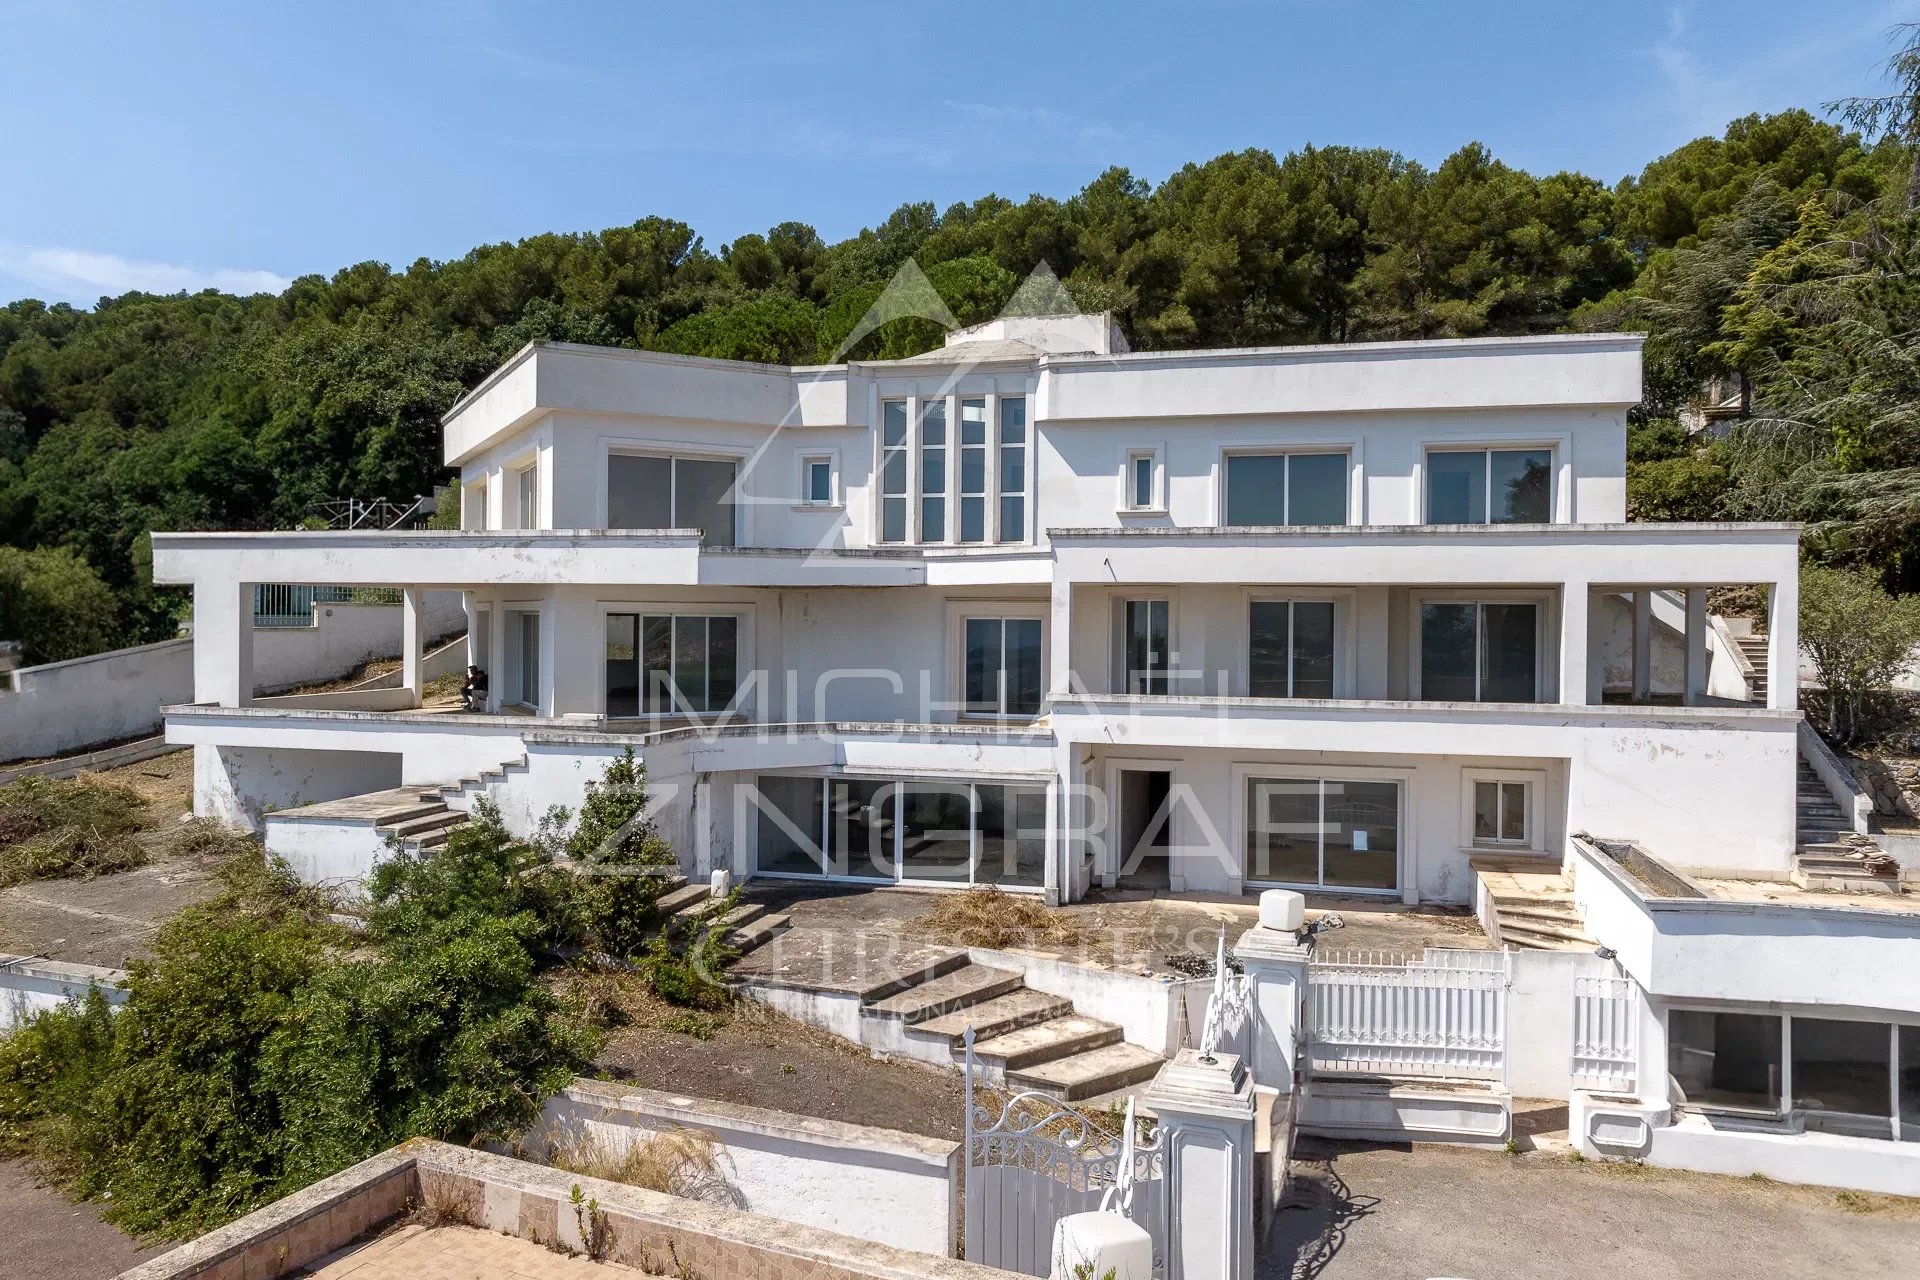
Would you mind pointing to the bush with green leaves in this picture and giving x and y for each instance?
(1859, 638)
(55, 605)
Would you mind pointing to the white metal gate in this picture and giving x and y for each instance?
(1443, 1013)
(1032, 1160)
(1606, 1018)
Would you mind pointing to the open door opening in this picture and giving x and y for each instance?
(1145, 818)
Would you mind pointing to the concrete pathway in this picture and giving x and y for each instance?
(44, 1237)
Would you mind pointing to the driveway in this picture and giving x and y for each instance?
(1387, 1213)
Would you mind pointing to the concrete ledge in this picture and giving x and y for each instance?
(1386, 1110)
(93, 761)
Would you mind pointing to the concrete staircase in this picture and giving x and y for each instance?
(461, 794)
(747, 926)
(1754, 649)
(1532, 905)
(1831, 855)
(1023, 1039)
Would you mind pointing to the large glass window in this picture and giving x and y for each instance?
(1290, 649)
(1144, 646)
(893, 471)
(1729, 1060)
(1323, 832)
(1286, 488)
(933, 471)
(529, 655)
(1490, 486)
(669, 664)
(1014, 480)
(649, 492)
(1843, 1075)
(973, 471)
(1474, 651)
(527, 497)
(1002, 666)
(869, 829)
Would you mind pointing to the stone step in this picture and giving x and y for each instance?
(1010, 1012)
(425, 824)
(1088, 1074)
(758, 933)
(1564, 930)
(738, 918)
(1543, 914)
(435, 839)
(946, 993)
(1521, 939)
(678, 899)
(1045, 1041)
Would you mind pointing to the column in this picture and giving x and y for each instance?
(1696, 686)
(1206, 1112)
(1060, 640)
(412, 659)
(1643, 644)
(223, 643)
(1276, 969)
(1783, 644)
(1573, 642)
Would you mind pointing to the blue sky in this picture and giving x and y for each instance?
(179, 145)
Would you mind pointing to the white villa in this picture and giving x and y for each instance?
(1038, 611)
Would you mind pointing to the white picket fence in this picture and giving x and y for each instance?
(1443, 1013)
(1606, 1020)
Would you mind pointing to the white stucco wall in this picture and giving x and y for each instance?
(62, 707)
(31, 986)
(343, 638)
(894, 1188)
(240, 785)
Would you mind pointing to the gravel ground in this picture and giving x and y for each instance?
(1381, 1213)
(42, 1237)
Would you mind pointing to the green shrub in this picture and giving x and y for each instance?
(614, 827)
(55, 605)
(690, 976)
(50, 828)
(1859, 638)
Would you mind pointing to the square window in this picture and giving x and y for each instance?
(1499, 812)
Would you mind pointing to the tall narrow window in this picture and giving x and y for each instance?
(1286, 488)
(933, 471)
(529, 658)
(1013, 469)
(1002, 666)
(1479, 652)
(973, 471)
(527, 497)
(1490, 486)
(1290, 649)
(816, 482)
(1143, 494)
(667, 664)
(893, 471)
(1144, 646)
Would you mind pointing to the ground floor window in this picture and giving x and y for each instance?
(1323, 832)
(1838, 1075)
(1502, 812)
(938, 831)
(668, 664)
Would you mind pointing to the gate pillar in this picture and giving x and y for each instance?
(1206, 1113)
(1276, 969)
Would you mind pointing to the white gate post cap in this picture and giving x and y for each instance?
(1282, 909)
(1101, 1244)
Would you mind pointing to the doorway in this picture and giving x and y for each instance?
(1143, 823)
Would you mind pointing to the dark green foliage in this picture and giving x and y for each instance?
(55, 605)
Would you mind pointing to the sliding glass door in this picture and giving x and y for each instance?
(920, 831)
(1323, 833)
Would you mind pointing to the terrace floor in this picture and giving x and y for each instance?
(459, 1253)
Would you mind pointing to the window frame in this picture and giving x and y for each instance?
(1552, 448)
(1546, 619)
(1533, 838)
(1345, 450)
(1244, 773)
(959, 613)
(744, 674)
(1343, 608)
(835, 499)
(674, 451)
(1155, 456)
(915, 495)
(1117, 669)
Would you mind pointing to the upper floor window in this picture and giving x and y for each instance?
(816, 481)
(526, 497)
(1145, 646)
(650, 491)
(1479, 651)
(1143, 480)
(1290, 649)
(939, 485)
(1286, 488)
(1490, 486)
(1003, 666)
(671, 664)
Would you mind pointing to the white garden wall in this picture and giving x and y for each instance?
(62, 707)
(29, 986)
(893, 1188)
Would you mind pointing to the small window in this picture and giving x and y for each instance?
(816, 481)
(1013, 469)
(1143, 481)
(1500, 811)
(1490, 486)
(1286, 488)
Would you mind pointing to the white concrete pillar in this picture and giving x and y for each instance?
(1060, 808)
(1573, 642)
(1783, 645)
(1696, 686)
(1206, 1112)
(497, 655)
(1060, 640)
(1276, 969)
(223, 643)
(412, 658)
(1642, 644)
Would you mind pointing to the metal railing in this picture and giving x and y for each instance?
(281, 604)
(1443, 1013)
(1606, 1017)
(372, 513)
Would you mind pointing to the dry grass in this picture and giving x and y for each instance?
(689, 1163)
(992, 917)
(57, 828)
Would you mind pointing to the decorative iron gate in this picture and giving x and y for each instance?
(1379, 1013)
(1033, 1160)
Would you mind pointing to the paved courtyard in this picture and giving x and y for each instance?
(461, 1253)
(1381, 1213)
